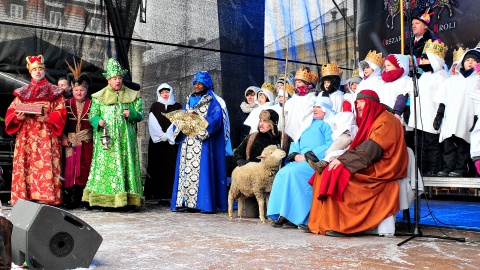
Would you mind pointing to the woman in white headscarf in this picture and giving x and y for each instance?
(161, 154)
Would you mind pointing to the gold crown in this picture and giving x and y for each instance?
(35, 62)
(331, 69)
(435, 47)
(375, 58)
(289, 88)
(355, 74)
(305, 74)
(458, 53)
(270, 87)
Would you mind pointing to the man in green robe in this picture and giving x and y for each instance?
(115, 176)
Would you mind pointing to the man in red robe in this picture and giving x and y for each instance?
(365, 177)
(78, 138)
(37, 156)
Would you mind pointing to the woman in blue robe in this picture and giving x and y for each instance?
(200, 179)
(291, 195)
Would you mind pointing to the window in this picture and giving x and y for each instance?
(55, 18)
(16, 11)
(95, 24)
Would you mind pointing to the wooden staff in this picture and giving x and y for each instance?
(284, 97)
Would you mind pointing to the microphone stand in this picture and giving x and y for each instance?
(417, 232)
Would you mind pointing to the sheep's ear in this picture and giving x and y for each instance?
(261, 157)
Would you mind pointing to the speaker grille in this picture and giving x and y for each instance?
(62, 244)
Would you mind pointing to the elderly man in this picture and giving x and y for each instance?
(359, 190)
(37, 116)
(267, 134)
(115, 179)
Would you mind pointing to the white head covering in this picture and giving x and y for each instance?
(255, 91)
(435, 61)
(267, 93)
(377, 71)
(344, 121)
(281, 93)
(171, 98)
(326, 105)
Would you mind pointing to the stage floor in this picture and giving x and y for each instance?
(157, 238)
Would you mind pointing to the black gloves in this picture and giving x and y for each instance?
(241, 162)
(291, 157)
(311, 156)
(438, 119)
(475, 118)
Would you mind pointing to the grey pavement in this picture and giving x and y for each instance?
(157, 238)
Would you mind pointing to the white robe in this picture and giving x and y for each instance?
(373, 82)
(475, 135)
(298, 115)
(389, 91)
(459, 107)
(428, 85)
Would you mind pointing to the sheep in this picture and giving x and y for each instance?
(255, 179)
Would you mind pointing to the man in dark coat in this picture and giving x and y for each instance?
(267, 134)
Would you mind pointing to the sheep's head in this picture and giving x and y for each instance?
(272, 151)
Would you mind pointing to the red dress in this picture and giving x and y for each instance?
(79, 133)
(37, 155)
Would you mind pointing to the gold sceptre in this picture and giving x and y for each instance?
(105, 138)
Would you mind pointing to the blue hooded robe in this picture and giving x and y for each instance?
(201, 179)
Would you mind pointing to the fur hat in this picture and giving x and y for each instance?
(35, 62)
(271, 116)
(77, 77)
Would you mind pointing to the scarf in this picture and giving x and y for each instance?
(390, 76)
(372, 109)
(248, 108)
(466, 73)
(426, 68)
(303, 90)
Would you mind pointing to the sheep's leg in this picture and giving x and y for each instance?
(241, 203)
(261, 208)
(230, 204)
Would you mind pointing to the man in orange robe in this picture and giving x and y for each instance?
(37, 155)
(367, 173)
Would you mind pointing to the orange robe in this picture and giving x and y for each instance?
(37, 155)
(371, 194)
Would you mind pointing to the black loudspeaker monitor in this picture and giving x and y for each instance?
(47, 237)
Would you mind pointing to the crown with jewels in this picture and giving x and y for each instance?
(375, 58)
(331, 70)
(305, 74)
(355, 74)
(269, 87)
(435, 47)
(458, 53)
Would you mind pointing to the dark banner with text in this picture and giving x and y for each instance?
(454, 22)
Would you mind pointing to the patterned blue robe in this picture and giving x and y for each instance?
(200, 178)
(291, 195)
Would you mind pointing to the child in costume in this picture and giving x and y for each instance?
(455, 115)
(429, 83)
